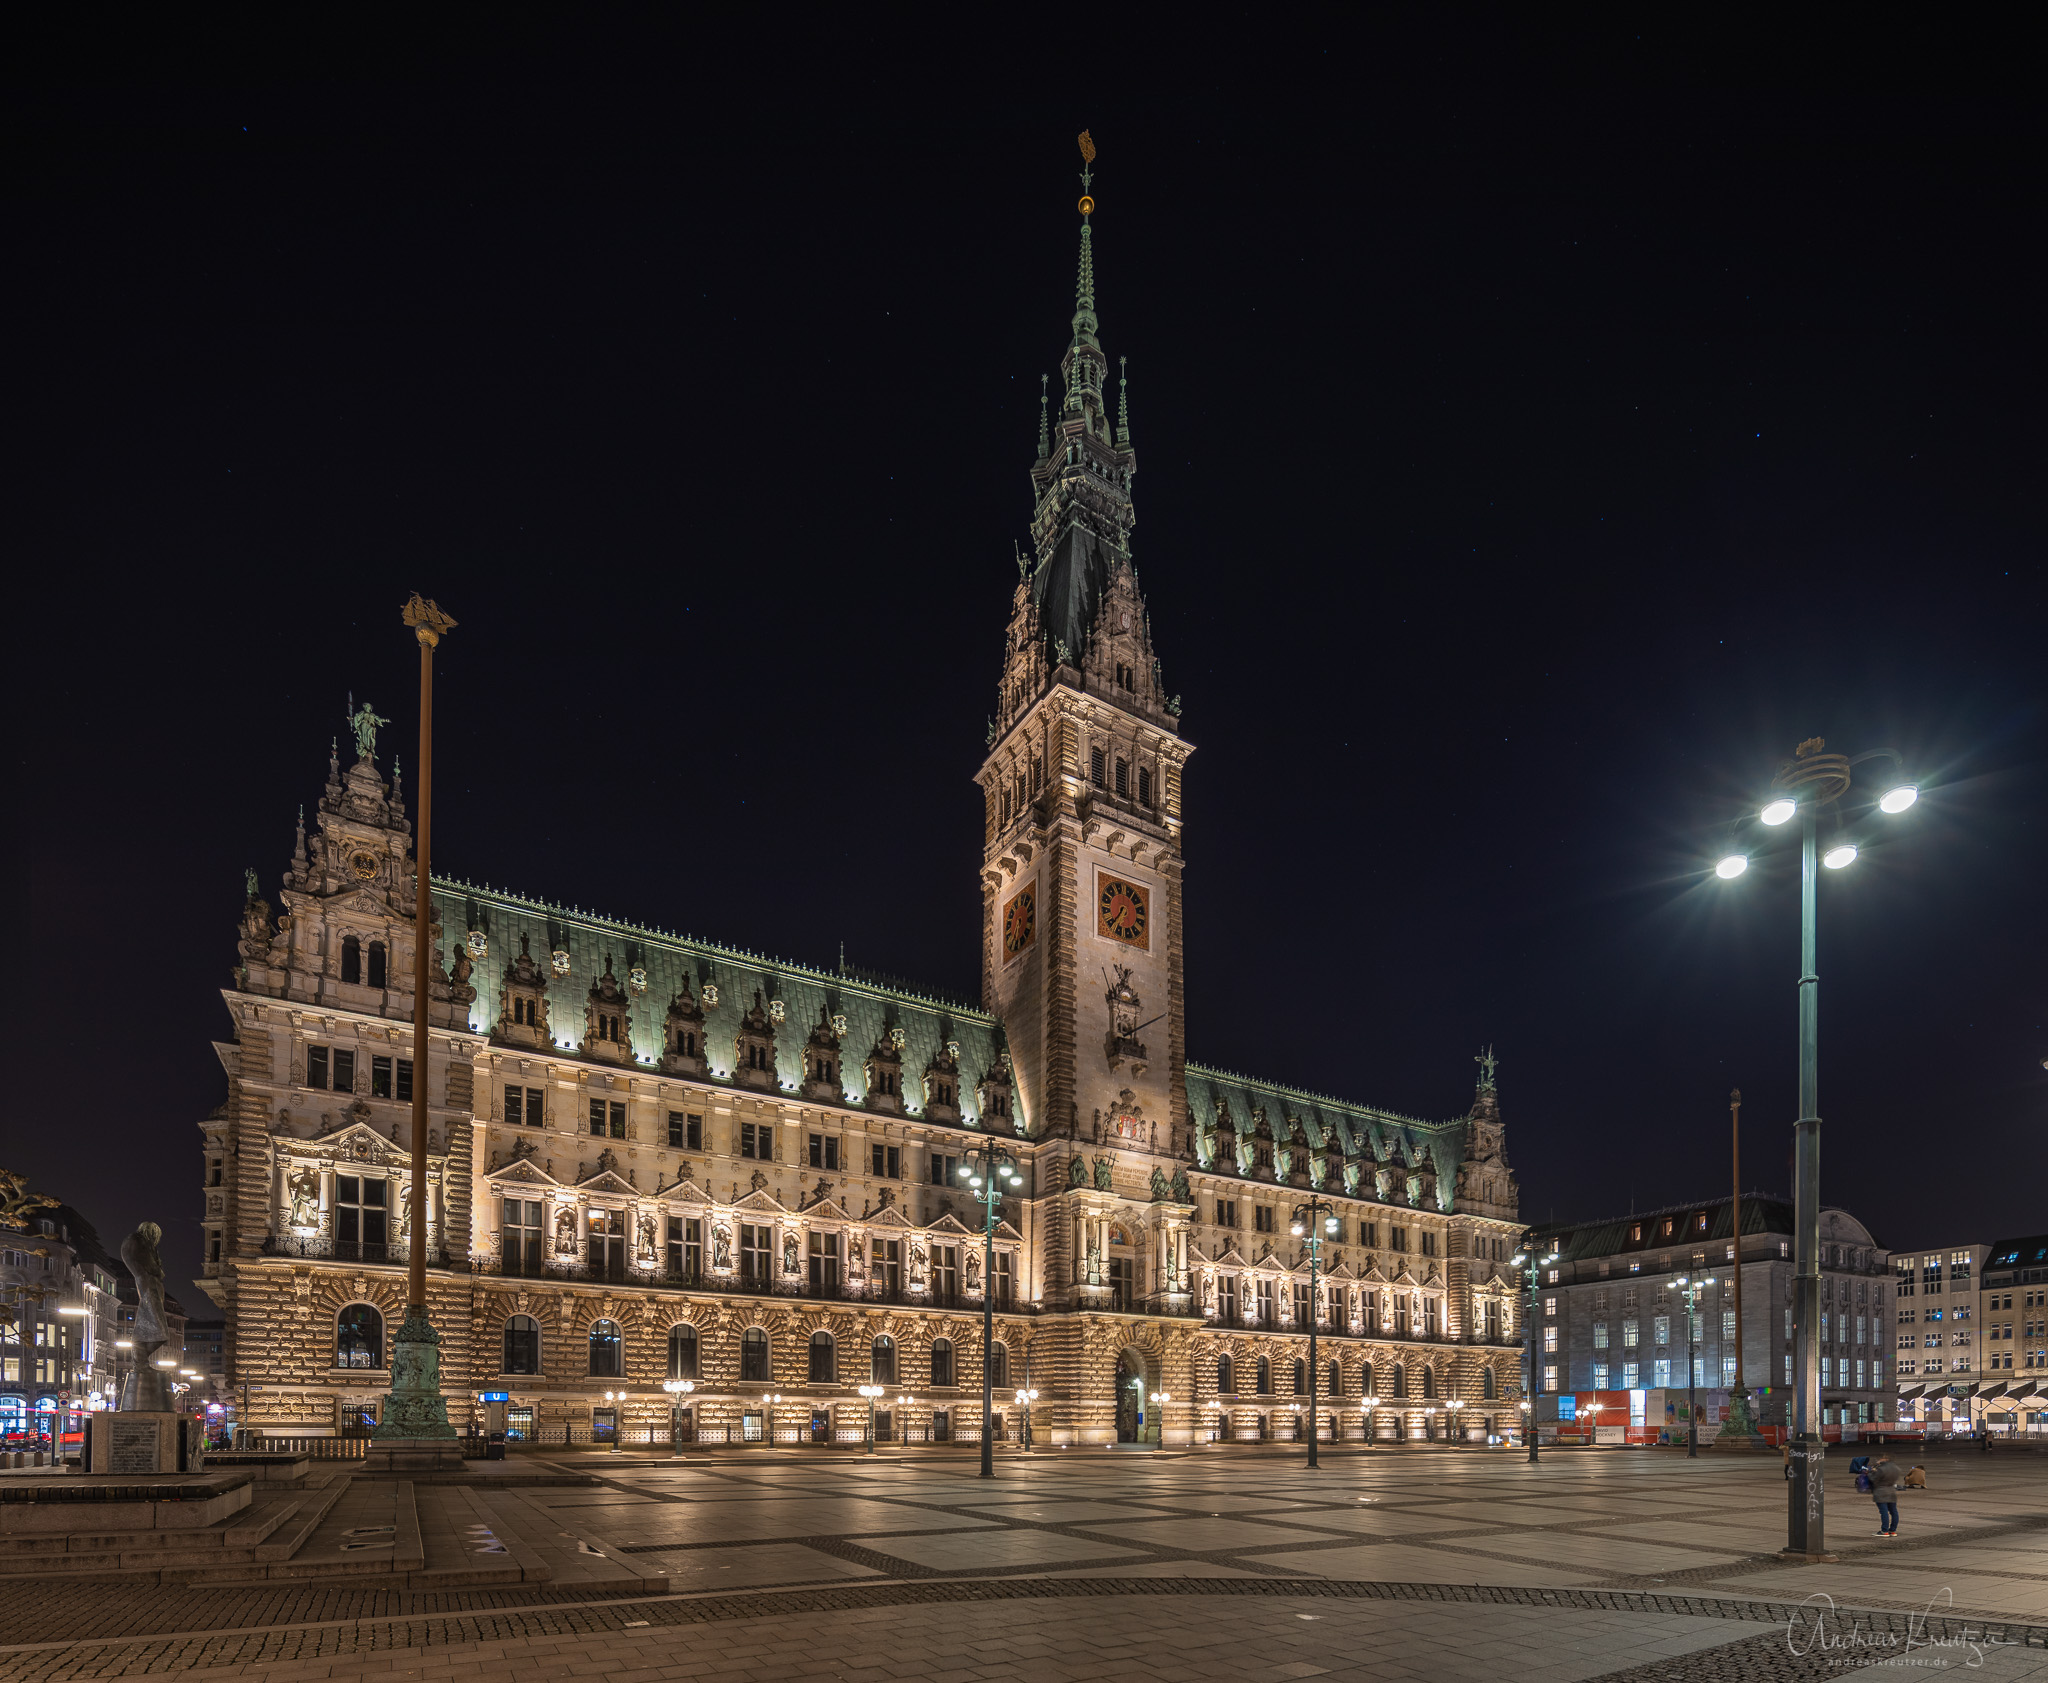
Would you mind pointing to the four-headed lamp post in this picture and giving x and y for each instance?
(1529, 1262)
(1025, 1398)
(1456, 1407)
(989, 1172)
(1803, 788)
(871, 1392)
(1311, 1221)
(677, 1389)
(1692, 1288)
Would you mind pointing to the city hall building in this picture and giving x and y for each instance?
(653, 1158)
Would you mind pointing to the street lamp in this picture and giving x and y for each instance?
(1593, 1410)
(1025, 1398)
(768, 1411)
(1457, 1423)
(871, 1392)
(989, 1171)
(1311, 1221)
(677, 1389)
(1802, 786)
(1159, 1401)
(1692, 1288)
(1527, 1260)
(618, 1401)
(1372, 1406)
(904, 1404)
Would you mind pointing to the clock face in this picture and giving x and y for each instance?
(1020, 921)
(363, 865)
(1123, 911)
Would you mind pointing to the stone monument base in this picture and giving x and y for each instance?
(1742, 1442)
(414, 1455)
(134, 1442)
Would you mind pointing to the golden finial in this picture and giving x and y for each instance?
(1087, 164)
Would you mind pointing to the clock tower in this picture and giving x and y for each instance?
(1081, 873)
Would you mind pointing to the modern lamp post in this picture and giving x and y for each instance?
(618, 1401)
(1311, 1221)
(904, 1404)
(1527, 1260)
(677, 1389)
(1456, 1406)
(1692, 1288)
(1025, 1398)
(987, 1168)
(1805, 784)
(871, 1392)
(1159, 1401)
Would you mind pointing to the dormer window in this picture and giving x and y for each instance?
(824, 1069)
(1126, 677)
(757, 1057)
(607, 1024)
(526, 1012)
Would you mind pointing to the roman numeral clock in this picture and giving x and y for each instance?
(1123, 912)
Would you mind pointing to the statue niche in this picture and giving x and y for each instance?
(1122, 1042)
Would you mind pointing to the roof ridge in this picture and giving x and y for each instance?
(1380, 1111)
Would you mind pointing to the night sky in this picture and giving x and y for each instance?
(1537, 438)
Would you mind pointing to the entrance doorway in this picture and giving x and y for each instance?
(1130, 1398)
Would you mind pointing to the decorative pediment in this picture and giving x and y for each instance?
(1231, 1258)
(606, 1182)
(1342, 1272)
(1372, 1276)
(761, 1202)
(1404, 1278)
(889, 1216)
(358, 1142)
(827, 1209)
(684, 1191)
(525, 1172)
(1435, 1277)
(949, 1224)
(1005, 1231)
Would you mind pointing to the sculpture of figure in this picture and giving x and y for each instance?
(1102, 1174)
(1487, 1063)
(1208, 1291)
(1077, 1172)
(856, 1252)
(364, 722)
(789, 1257)
(1160, 1188)
(647, 1245)
(917, 1264)
(146, 1390)
(974, 1271)
(305, 1191)
(721, 1247)
(565, 1229)
(1182, 1192)
(1094, 1262)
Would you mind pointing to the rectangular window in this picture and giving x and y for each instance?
(1549, 1305)
(1599, 1376)
(1728, 1323)
(515, 1106)
(685, 1247)
(1226, 1213)
(618, 1119)
(757, 1141)
(1369, 1234)
(1630, 1334)
(1096, 768)
(1123, 776)
(1599, 1338)
(944, 1168)
(1630, 1373)
(1397, 1238)
(1550, 1377)
(1428, 1242)
(1660, 1371)
(1400, 1314)
(521, 1237)
(1728, 1371)
(946, 1272)
(887, 1161)
(344, 1071)
(380, 1078)
(1262, 1218)
(1265, 1290)
(1006, 1286)
(757, 1252)
(824, 1151)
(888, 1265)
(824, 1262)
(597, 1117)
(1301, 1308)
(685, 1132)
(1230, 1297)
(1144, 786)
(360, 1212)
(316, 1067)
(1550, 1341)
(1660, 1329)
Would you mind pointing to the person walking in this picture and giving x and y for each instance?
(1884, 1475)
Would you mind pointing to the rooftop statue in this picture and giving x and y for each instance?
(364, 722)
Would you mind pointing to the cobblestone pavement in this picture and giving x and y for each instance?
(1595, 1564)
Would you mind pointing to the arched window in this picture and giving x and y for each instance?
(1265, 1381)
(1223, 1376)
(942, 1361)
(1336, 1380)
(605, 1351)
(882, 1361)
(1365, 1381)
(753, 1357)
(1397, 1381)
(824, 1369)
(998, 1366)
(1300, 1376)
(377, 964)
(682, 1351)
(1488, 1387)
(522, 1345)
(359, 1337)
(1429, 1382)
(351, 959)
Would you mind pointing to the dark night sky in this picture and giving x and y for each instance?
(1537, 438)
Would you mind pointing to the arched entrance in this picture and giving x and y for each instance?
(1130, 1398)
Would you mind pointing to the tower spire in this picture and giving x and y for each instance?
(1085, 323)
(1123, 402)
(1044, 435)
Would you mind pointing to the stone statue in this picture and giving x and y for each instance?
(1077, 1172)
(789, 1257)
(364, 722)
(249, 882)
(146, 1391)
(974, 1271)
(1102, 1174)
(1182, 1192)
(721, 1247)
(565, 1229)
(1159, 1185)
(917, 1264)
(647, 1245)
(1487, 1062)
(305, 1191)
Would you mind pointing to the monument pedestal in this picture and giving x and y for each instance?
(413, 1435)
(128, 1443)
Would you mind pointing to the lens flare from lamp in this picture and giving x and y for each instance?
(1897, 800)
(1733, 866)
(1836, 857)
(1778, 811)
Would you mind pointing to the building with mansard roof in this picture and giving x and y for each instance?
(657, 1157)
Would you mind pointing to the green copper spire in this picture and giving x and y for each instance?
(1044, 435)
(1123, 402)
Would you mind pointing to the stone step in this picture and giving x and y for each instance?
(314, 1505)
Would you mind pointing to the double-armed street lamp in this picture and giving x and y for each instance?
(1803, 787)
(768, 1415)
(1159, 1401)
(618, 1401)
(677, 1389)
(1527, 1260)
(904, 1404)
(1692, 1288)
(1457, 1422)
(871, 1392)
(1311, 1221)
(1025, 1398)
(989, 1170)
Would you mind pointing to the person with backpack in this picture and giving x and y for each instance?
(1884, 1475)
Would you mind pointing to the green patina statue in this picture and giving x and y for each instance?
(364, 722)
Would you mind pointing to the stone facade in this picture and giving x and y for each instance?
(653, 1157)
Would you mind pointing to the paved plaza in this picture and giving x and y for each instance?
(1235, 1565)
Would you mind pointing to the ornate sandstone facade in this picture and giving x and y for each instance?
(655, 1157)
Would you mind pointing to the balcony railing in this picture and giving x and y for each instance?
(740, 1284)
(395, 1254)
